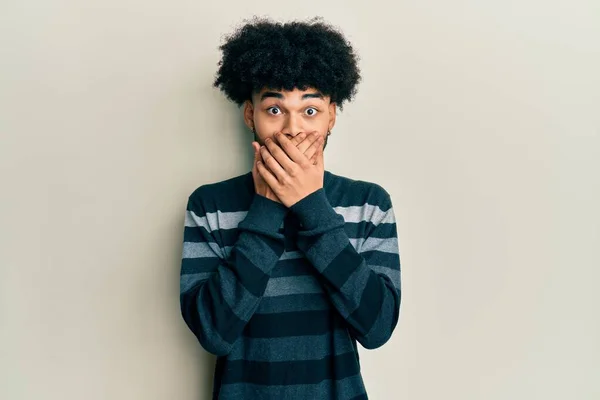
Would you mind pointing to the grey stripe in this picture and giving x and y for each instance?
(344, 389)
(241, 302)
(206, 249)
(229, 220)
(215, 220)
(237, 297)
(291, 255)
(303, 284)
(309, 347)
(393, 274)
(386, 245)
(286, 255)
(201, 250)
(366, 212)
(187, 281)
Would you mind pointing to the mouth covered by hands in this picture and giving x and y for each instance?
(287, 170)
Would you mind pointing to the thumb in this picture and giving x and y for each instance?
(255, 148)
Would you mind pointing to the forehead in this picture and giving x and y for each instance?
(289, 95)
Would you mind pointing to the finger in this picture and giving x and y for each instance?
(287, 154)
(320, 158)
(280, 155)
(310, 139)
(298, 138)
(314, 147)
(271, 162)
(255, 147)
(267, 175)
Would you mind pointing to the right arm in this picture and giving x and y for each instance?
(220, 293)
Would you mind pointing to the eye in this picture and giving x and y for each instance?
(274, 108)
(314, 111)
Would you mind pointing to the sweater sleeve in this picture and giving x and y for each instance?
(220, 290)
(363, 284)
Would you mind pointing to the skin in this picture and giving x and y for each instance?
(290, 129)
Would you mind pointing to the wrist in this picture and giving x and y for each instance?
(264, 215)
(315, 210)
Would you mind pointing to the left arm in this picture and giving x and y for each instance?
(364, 285)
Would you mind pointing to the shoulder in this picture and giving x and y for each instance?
(348, 191)
(231, 194)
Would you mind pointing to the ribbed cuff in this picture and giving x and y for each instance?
(264, 216)
(315, 211)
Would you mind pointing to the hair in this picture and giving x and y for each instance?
(284, 56)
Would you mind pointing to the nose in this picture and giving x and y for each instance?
(292, 126)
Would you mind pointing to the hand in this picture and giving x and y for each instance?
(288, 172)
(303, 142)
(260, 186)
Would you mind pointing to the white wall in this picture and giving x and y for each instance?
(481, 119)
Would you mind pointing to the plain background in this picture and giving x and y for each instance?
(481, 118)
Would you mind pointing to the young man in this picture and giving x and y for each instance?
(287, 266)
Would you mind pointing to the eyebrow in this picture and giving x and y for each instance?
(315, 95)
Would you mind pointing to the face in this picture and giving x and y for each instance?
(289, 112)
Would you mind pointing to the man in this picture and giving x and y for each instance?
(286, 267)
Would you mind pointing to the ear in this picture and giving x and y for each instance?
(249, 114)
(332, 115)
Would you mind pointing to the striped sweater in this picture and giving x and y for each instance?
(282, 295)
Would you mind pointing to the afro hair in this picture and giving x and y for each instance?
(283, 56)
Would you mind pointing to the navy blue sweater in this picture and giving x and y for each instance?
(282, 295)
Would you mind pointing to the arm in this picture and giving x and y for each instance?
(363, 285)
(220, 293)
